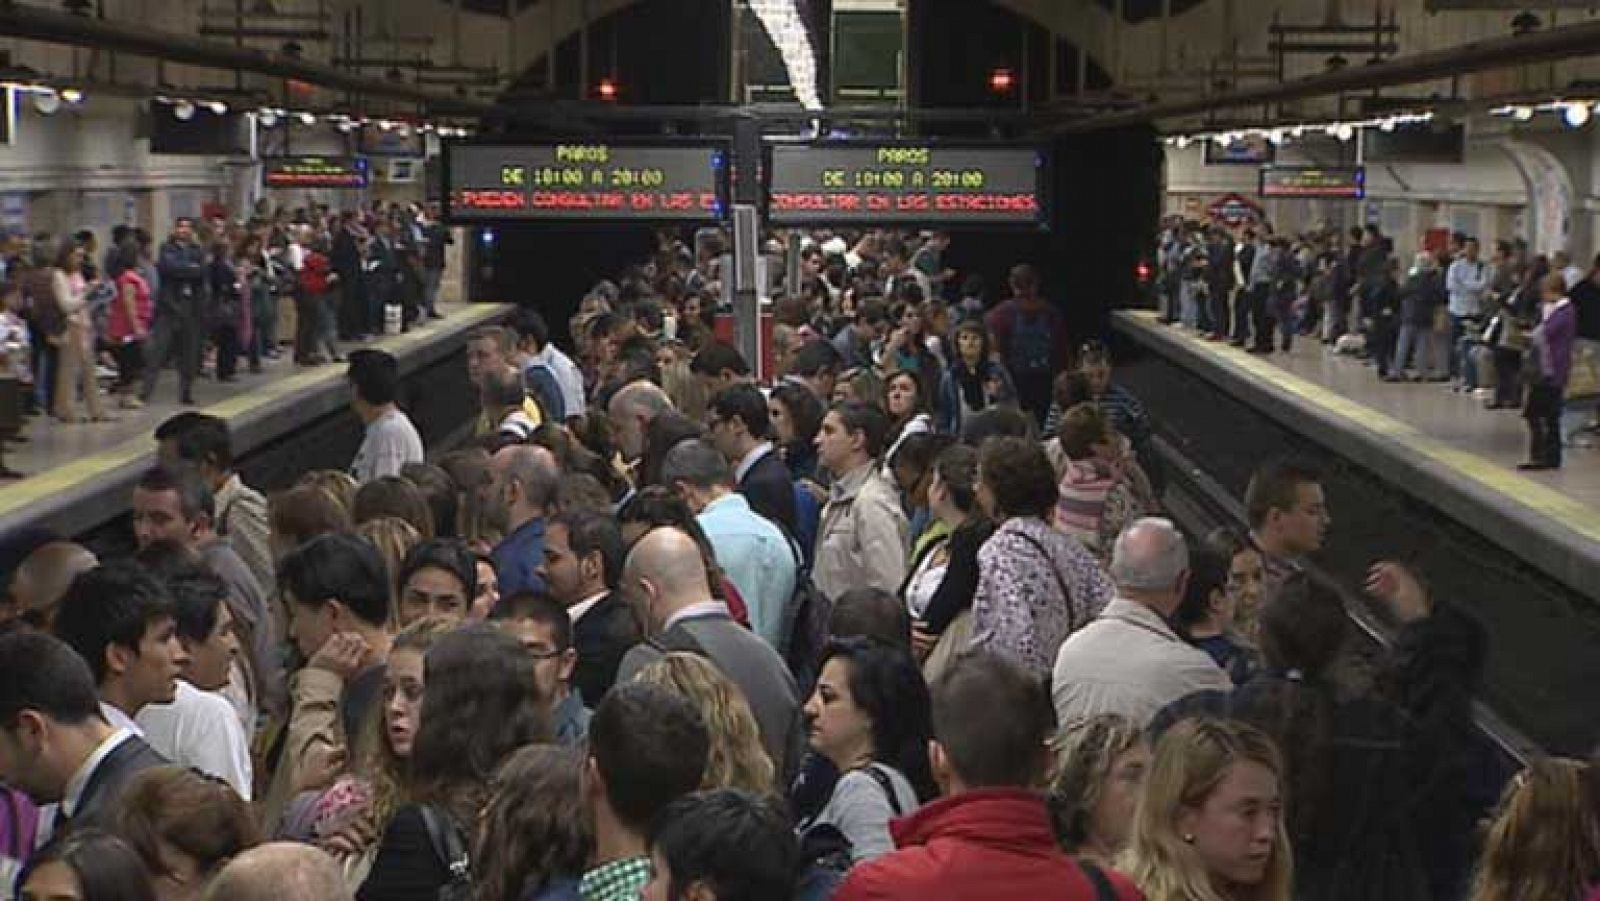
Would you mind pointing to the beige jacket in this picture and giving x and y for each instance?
(861, 542)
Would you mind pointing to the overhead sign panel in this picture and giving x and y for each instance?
(910, 184)
(1250, 150)
(315, 172)
(586, 180)
(1348, 182)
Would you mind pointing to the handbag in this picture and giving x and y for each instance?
(953, 642)
(450, 847)
(1584, 381)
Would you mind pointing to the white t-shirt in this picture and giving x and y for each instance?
(390, 443)
(200, 729)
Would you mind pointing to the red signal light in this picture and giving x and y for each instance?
(1142, 272)
(1001, 81)
(607, 89)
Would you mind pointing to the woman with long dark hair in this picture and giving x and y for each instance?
(796, 417)
(907, 403)
(870, 717)
(973, 381)
(535, 838)
(480, 703)
(88, 865)
(186, 826)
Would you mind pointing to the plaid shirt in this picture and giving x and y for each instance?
(619, 880)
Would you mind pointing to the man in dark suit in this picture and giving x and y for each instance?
(54, 744)
(666, 571)
(583, 555)
(742, 430)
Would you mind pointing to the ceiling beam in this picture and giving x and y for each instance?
(49, 26)
(1547, 46)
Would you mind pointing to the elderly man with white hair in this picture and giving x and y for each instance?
(1130, 660)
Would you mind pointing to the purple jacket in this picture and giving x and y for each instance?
(1554, 338)
(19, 819)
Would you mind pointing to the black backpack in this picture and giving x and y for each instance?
(450, 846)
(825, 852)
(805, 623)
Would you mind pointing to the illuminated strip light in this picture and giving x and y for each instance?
(1280, 134)
(782, 22)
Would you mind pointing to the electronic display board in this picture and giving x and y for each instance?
(1420, 142)
(1348, 182)
(315, 172)
(585, 180)
(912, 184)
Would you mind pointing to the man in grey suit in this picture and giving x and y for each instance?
(666, 573)
(54, 744)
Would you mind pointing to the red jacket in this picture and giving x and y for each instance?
(985, 845)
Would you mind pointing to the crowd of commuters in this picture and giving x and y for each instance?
(212, 294)
(1515, 329)
(659, 631)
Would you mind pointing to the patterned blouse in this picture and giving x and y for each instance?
(1036, 586)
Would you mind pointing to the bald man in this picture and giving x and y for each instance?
(1130, 661)
(44, 577)
(280, 871)
(666, 573)
(632, 409)
(522, 486)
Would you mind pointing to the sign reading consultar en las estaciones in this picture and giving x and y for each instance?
(590, 179)
(906, 183)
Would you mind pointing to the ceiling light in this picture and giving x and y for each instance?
(1183, 141)
(1344, 131)
(218, 107)
(47, 102)
(1522, 113)
(267, 118)
(72, 95)
(308, 118)
(1387, 125)
(385, 125)
(183, 110)
(1576, 114)
(1275, 136)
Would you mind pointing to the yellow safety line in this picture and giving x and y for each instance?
(34, 488)
(1516, 488)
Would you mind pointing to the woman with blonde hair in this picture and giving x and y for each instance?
(1544, 843)
(347, 818)
(394, 538)
(1210, 822)
(342, 485)
(1094, 786)
(737, 759)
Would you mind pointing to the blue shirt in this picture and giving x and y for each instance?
(572, 721)
(756, 557)
(517, 556)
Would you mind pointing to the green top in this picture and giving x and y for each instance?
(619, 880)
